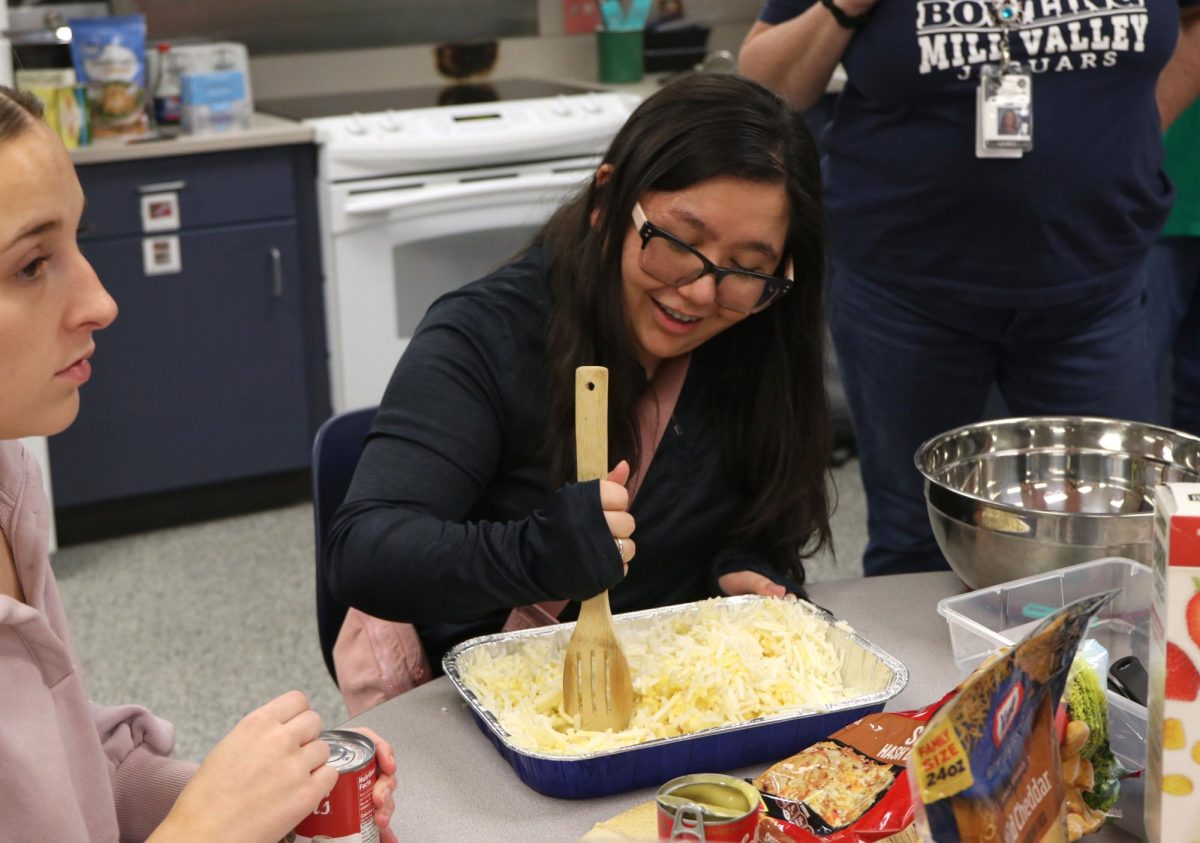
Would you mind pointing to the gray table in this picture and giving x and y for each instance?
(454, 787)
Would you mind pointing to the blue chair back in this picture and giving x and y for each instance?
(336, 449)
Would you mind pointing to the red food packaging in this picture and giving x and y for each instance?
(851, 787)
(347, 814)
(1172, 750)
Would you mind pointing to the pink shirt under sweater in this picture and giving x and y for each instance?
(69, 770)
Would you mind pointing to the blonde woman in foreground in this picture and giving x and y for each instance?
(71, 770)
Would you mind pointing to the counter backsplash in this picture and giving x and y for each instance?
(557, 57)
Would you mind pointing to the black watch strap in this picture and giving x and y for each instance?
(844, 20)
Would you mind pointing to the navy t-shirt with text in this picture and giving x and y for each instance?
(911, 205)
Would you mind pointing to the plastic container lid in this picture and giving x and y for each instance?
(981, 622)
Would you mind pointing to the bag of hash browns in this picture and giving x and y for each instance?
(851, 787)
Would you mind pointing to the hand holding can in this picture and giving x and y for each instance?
(347, 813)
(260, 780)
(385, 784)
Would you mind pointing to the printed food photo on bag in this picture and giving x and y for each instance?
(1091, 772)
(110, 61)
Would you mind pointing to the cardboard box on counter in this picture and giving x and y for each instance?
(214, 86)
(1173, 739)
(214, 102)
(63, 101)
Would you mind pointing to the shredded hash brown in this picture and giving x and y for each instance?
(723, 663)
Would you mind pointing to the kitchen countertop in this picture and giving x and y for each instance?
(453, 786)
(265, 130)
(269, 130)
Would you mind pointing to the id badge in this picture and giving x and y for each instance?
(1004, 111)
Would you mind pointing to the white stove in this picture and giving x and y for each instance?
(416, 202)
(464, 136)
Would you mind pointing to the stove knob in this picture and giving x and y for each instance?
(561, 106)
(592, 104)
(356, 124)
(389, 123)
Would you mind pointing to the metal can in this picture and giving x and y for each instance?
(708, 808)
(347, 814)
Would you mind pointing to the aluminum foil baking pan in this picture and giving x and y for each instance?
(764, 739)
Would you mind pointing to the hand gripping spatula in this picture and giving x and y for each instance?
(596, 682)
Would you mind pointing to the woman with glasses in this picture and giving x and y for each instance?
(695, 253)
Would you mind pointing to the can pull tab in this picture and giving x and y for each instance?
(682, 830)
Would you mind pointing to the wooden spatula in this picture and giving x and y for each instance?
(596, 682)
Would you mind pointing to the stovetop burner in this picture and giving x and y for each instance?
(366, 102)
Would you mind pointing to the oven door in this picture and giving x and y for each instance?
(395, 245)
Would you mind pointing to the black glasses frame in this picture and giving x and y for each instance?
(648, 230)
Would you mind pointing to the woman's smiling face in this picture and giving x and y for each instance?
(733, 223)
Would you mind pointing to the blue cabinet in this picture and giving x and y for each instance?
(216, 372)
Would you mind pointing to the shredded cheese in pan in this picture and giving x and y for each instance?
(724, 663)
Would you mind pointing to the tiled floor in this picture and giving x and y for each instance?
(203, 623)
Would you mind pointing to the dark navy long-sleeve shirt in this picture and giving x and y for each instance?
(448, 523)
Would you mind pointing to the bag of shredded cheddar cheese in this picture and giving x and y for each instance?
(987, 766)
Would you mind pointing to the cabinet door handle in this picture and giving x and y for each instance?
(276, 273)
(162, 186)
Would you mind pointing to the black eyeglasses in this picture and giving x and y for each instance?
(669, 260)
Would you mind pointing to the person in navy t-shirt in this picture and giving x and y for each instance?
(953, 274)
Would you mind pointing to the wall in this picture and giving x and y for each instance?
(299, 26)
(566, 57)
(305, 26)
(375, 68)
(6, 68)
(712, 12)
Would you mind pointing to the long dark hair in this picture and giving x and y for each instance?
(766, 371)
(18, 111)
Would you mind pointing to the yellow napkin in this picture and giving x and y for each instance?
(639, 823)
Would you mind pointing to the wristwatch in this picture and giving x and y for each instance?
(844, 20)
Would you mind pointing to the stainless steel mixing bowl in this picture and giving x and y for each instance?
(1023, 496)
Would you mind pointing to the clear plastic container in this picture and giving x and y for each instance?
(983, 621)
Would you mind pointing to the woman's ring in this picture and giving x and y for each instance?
(621, 548)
